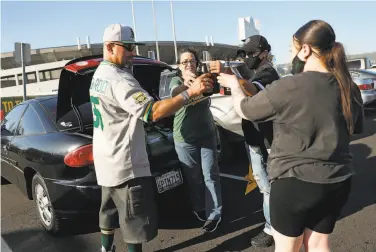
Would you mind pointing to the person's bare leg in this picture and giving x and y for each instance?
(316, 242)
(287, 244)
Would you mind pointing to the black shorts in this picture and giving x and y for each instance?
(133, 207)
(296, 205)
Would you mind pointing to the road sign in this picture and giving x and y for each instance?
(24, 48)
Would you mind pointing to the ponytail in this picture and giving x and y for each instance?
(335, 61)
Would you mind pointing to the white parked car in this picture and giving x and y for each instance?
(366, 89)
(228, 122)
(366, 81)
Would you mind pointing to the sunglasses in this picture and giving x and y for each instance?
(128, 47)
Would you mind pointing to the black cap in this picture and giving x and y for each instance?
(255, 43)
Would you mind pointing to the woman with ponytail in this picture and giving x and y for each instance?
(314, 113)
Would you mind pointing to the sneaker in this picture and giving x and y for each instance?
(200, 215)
(211, 225)
(262, 240)
(112, 250)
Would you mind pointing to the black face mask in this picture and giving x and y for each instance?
(297, 65)
(253, 62)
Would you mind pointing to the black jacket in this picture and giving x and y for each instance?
(260, 134)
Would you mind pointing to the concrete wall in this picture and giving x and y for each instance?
(166, 52)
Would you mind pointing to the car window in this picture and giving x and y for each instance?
(44, 116)
(30, 124)
(10, 122)
(356, 64)
(69, 121)
(50, 106)
(87, 113)
(164, 86)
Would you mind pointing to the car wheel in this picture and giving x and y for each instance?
(46, 213)
(223, 150)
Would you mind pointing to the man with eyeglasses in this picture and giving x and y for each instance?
(120, 109)
(258, 136)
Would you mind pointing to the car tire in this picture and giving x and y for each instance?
(223, 150)
(47, 216)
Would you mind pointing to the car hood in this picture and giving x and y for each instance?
(75, 80)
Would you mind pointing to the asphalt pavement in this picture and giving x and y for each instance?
(179, 231)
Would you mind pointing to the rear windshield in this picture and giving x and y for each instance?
(69, 121)
(356, 64)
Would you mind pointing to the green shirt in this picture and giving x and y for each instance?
(194, 121)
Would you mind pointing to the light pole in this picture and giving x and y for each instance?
(173, 32)
(134, 27)
(155, 29)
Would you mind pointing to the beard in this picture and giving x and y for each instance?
(128, 63)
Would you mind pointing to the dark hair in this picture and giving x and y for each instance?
(188, 50)
(320, 36)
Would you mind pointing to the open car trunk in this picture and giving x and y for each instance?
(75, 80)
(74, 103)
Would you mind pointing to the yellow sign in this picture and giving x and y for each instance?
(8, 105)
(251, 181)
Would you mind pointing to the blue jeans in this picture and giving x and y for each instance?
(258, 162)
(195, 158)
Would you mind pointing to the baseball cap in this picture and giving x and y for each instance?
(254, 44)
(120, 33)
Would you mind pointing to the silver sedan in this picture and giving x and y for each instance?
(366, 81)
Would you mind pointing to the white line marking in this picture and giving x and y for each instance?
(233, 177)
(241, 218)
(4, 246)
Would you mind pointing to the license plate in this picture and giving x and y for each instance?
(168, 180)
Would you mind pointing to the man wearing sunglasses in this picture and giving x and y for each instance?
(258, 136)
(120, 108)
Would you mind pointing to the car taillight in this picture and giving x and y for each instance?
(80, 157)
(365, 86)
(222, 90)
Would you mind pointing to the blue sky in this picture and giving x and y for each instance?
(50, 24)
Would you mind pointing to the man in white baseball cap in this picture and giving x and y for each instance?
(120, 109)
(123, 34)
